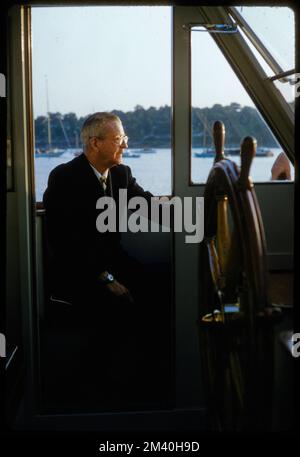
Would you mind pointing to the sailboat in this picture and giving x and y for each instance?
(146, 150)
(49, 151)
(206, 152)
(260, 152)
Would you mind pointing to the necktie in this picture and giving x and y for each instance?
(103, 182)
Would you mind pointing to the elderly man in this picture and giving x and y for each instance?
(85, 261)
(90, 270)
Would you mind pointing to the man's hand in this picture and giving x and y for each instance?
(120, 291)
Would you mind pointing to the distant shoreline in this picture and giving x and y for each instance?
(152, 127)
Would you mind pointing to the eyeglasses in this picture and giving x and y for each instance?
(117, 140)
(120, 139)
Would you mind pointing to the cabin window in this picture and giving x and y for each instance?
(274, 35)
(217, 94)
(88, 59)
(275, 27)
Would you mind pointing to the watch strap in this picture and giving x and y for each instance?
(106, 279)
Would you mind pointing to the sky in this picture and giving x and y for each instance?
(105, 58)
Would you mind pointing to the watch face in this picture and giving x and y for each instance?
(110, 277)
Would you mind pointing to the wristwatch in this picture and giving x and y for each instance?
(106, 278)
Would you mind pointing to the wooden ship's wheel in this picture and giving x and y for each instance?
(236, 319)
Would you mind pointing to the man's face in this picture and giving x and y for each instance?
(112, 146)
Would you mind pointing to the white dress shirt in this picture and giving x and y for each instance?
(98, 174)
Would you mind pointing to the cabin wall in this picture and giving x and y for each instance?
(149, 247)
(277, 207)
(183, 259)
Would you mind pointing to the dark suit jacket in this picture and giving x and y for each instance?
(79, 251)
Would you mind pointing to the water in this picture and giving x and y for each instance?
(260, 170)
(153, 171)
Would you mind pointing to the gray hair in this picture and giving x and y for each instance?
(95, 125)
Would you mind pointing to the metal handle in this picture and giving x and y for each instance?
(211, 28)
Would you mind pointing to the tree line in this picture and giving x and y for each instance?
(152, 127)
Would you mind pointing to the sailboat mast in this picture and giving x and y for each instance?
(48, 112)
(64, 131)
